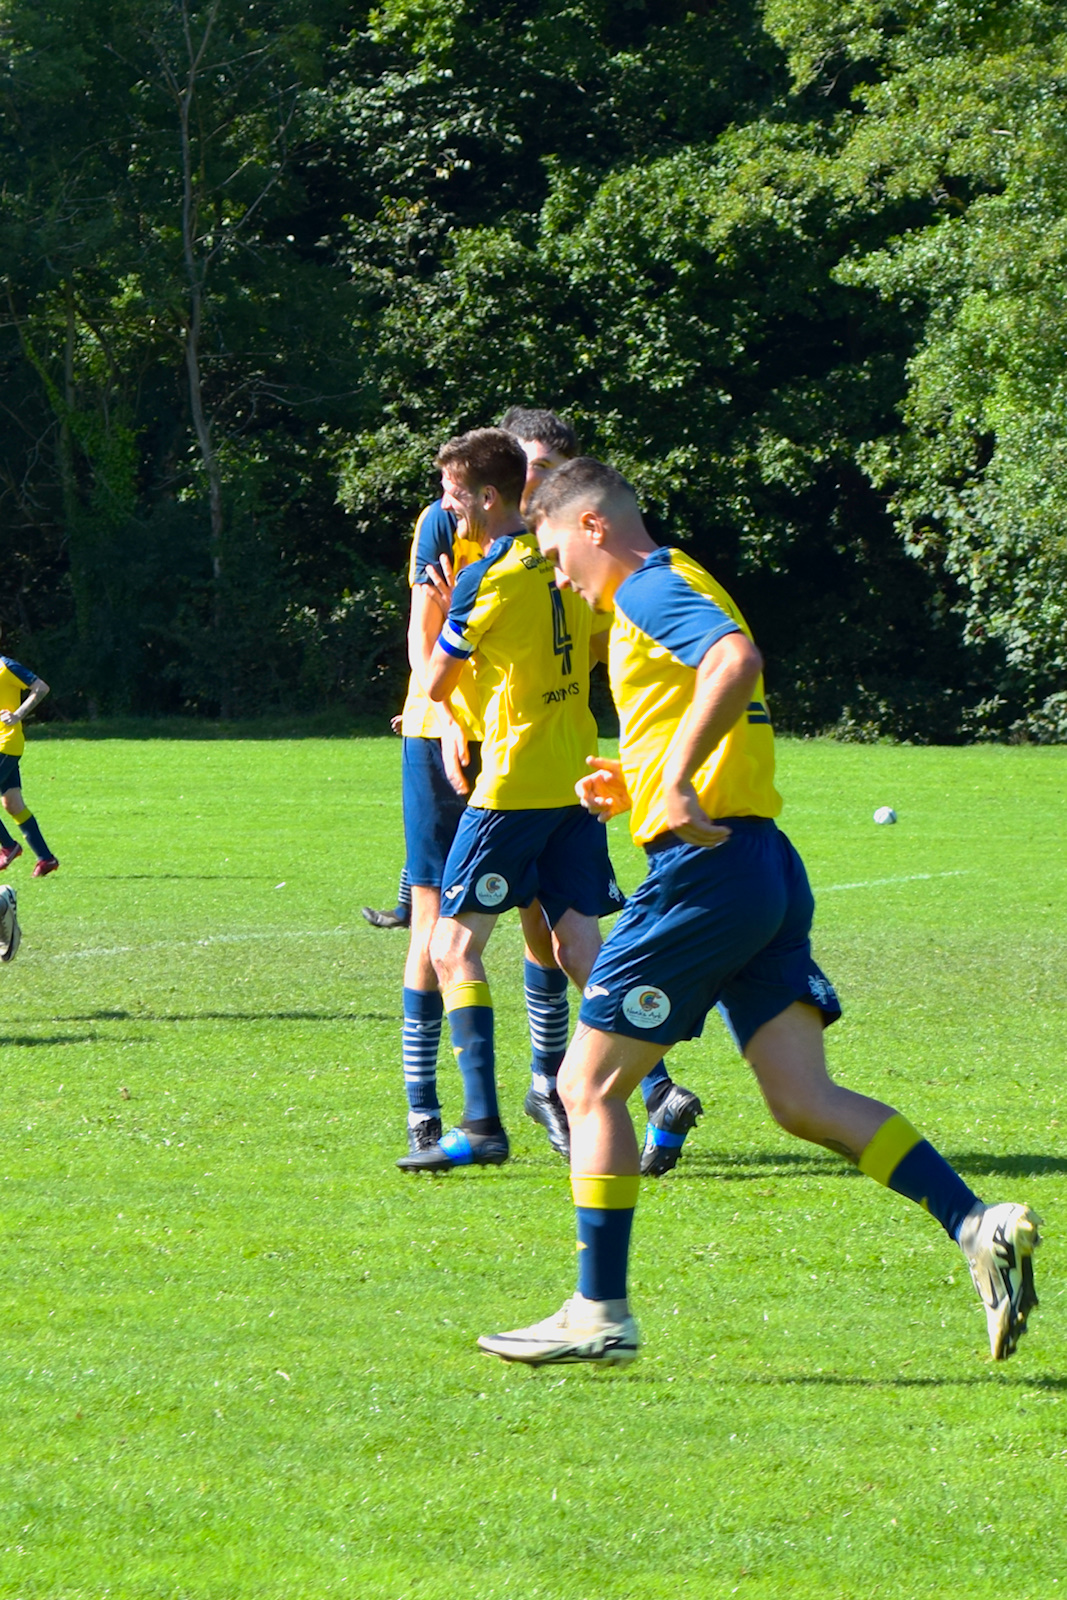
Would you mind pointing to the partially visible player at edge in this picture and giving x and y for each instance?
(723, 917)
(20, 691)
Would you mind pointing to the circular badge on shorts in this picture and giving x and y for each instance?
(491, 889)
(646, 1007)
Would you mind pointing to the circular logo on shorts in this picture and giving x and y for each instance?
(646, 1007)
(491, 889)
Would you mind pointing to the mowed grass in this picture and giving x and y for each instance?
(238, 1346)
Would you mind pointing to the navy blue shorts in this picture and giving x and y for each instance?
(432, 808)
(728, 927)
(10, 776)
(502, 859)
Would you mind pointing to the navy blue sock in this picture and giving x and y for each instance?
(604, 1212)
(654, 1088)
(904, 1161)
(470, 1019)
(33, 836)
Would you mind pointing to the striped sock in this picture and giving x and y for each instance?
(604, 1212)
(403, 894)
(549, 1015)
(904, 1161)
(420, 1035)
(470, 1020)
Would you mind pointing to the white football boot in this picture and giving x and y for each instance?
(580, 1331)
(999, 1243)
(10, 932)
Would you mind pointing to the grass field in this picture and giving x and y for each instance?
(238, 1347)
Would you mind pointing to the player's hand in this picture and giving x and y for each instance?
(603, 791)
(396, 723)
(9, 719)
(687, 818)
(455, 753)
(442, 583)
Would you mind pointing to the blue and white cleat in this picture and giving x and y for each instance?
(666, 1130)
(459, 1148)
(10, 932)
(999, 1243)
(579, 1331)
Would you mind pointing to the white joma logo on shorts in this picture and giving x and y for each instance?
(591, 990)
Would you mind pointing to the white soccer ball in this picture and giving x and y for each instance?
(885, 814)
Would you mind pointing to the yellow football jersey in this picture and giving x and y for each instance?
(530, 645)
(435, 535)
(668, 614)
(14, 681)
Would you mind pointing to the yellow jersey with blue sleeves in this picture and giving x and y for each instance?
(668, 614)
(14, 681)
(435, 536)
(530, 645)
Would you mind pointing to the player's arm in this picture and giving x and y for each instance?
(725, 679)
(424, 625)
(442, 674)
(36, 693)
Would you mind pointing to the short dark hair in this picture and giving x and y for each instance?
(486, 458)
(584, 478)
(544, 426)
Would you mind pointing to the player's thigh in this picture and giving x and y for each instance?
(537, 935)
(574, 869)
(492, 865)
(603, 1066)
(576, 940)
(783, 971)
(698, 916)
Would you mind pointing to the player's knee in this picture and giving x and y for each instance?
(12, 801)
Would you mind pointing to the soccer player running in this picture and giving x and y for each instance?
(20, 691)
(723, 918)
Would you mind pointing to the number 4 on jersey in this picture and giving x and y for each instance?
(561, 639)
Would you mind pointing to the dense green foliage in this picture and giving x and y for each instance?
(238, 1356)
(798, 268)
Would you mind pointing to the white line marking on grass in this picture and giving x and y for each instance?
(877, 883)
(195, 944)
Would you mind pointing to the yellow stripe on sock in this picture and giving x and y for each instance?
(467, 994)
(23, 816)
(895, 1139)
(601, 1191)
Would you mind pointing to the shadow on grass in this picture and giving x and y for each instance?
(231, 1016)
(27, 1041)
(715, 1164)
(836, 1380)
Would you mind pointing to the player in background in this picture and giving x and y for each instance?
(547, 441)
(439, 759)
(723, 918)
(400, 915)
(439, 762)
(522, 839)
(20, 691)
